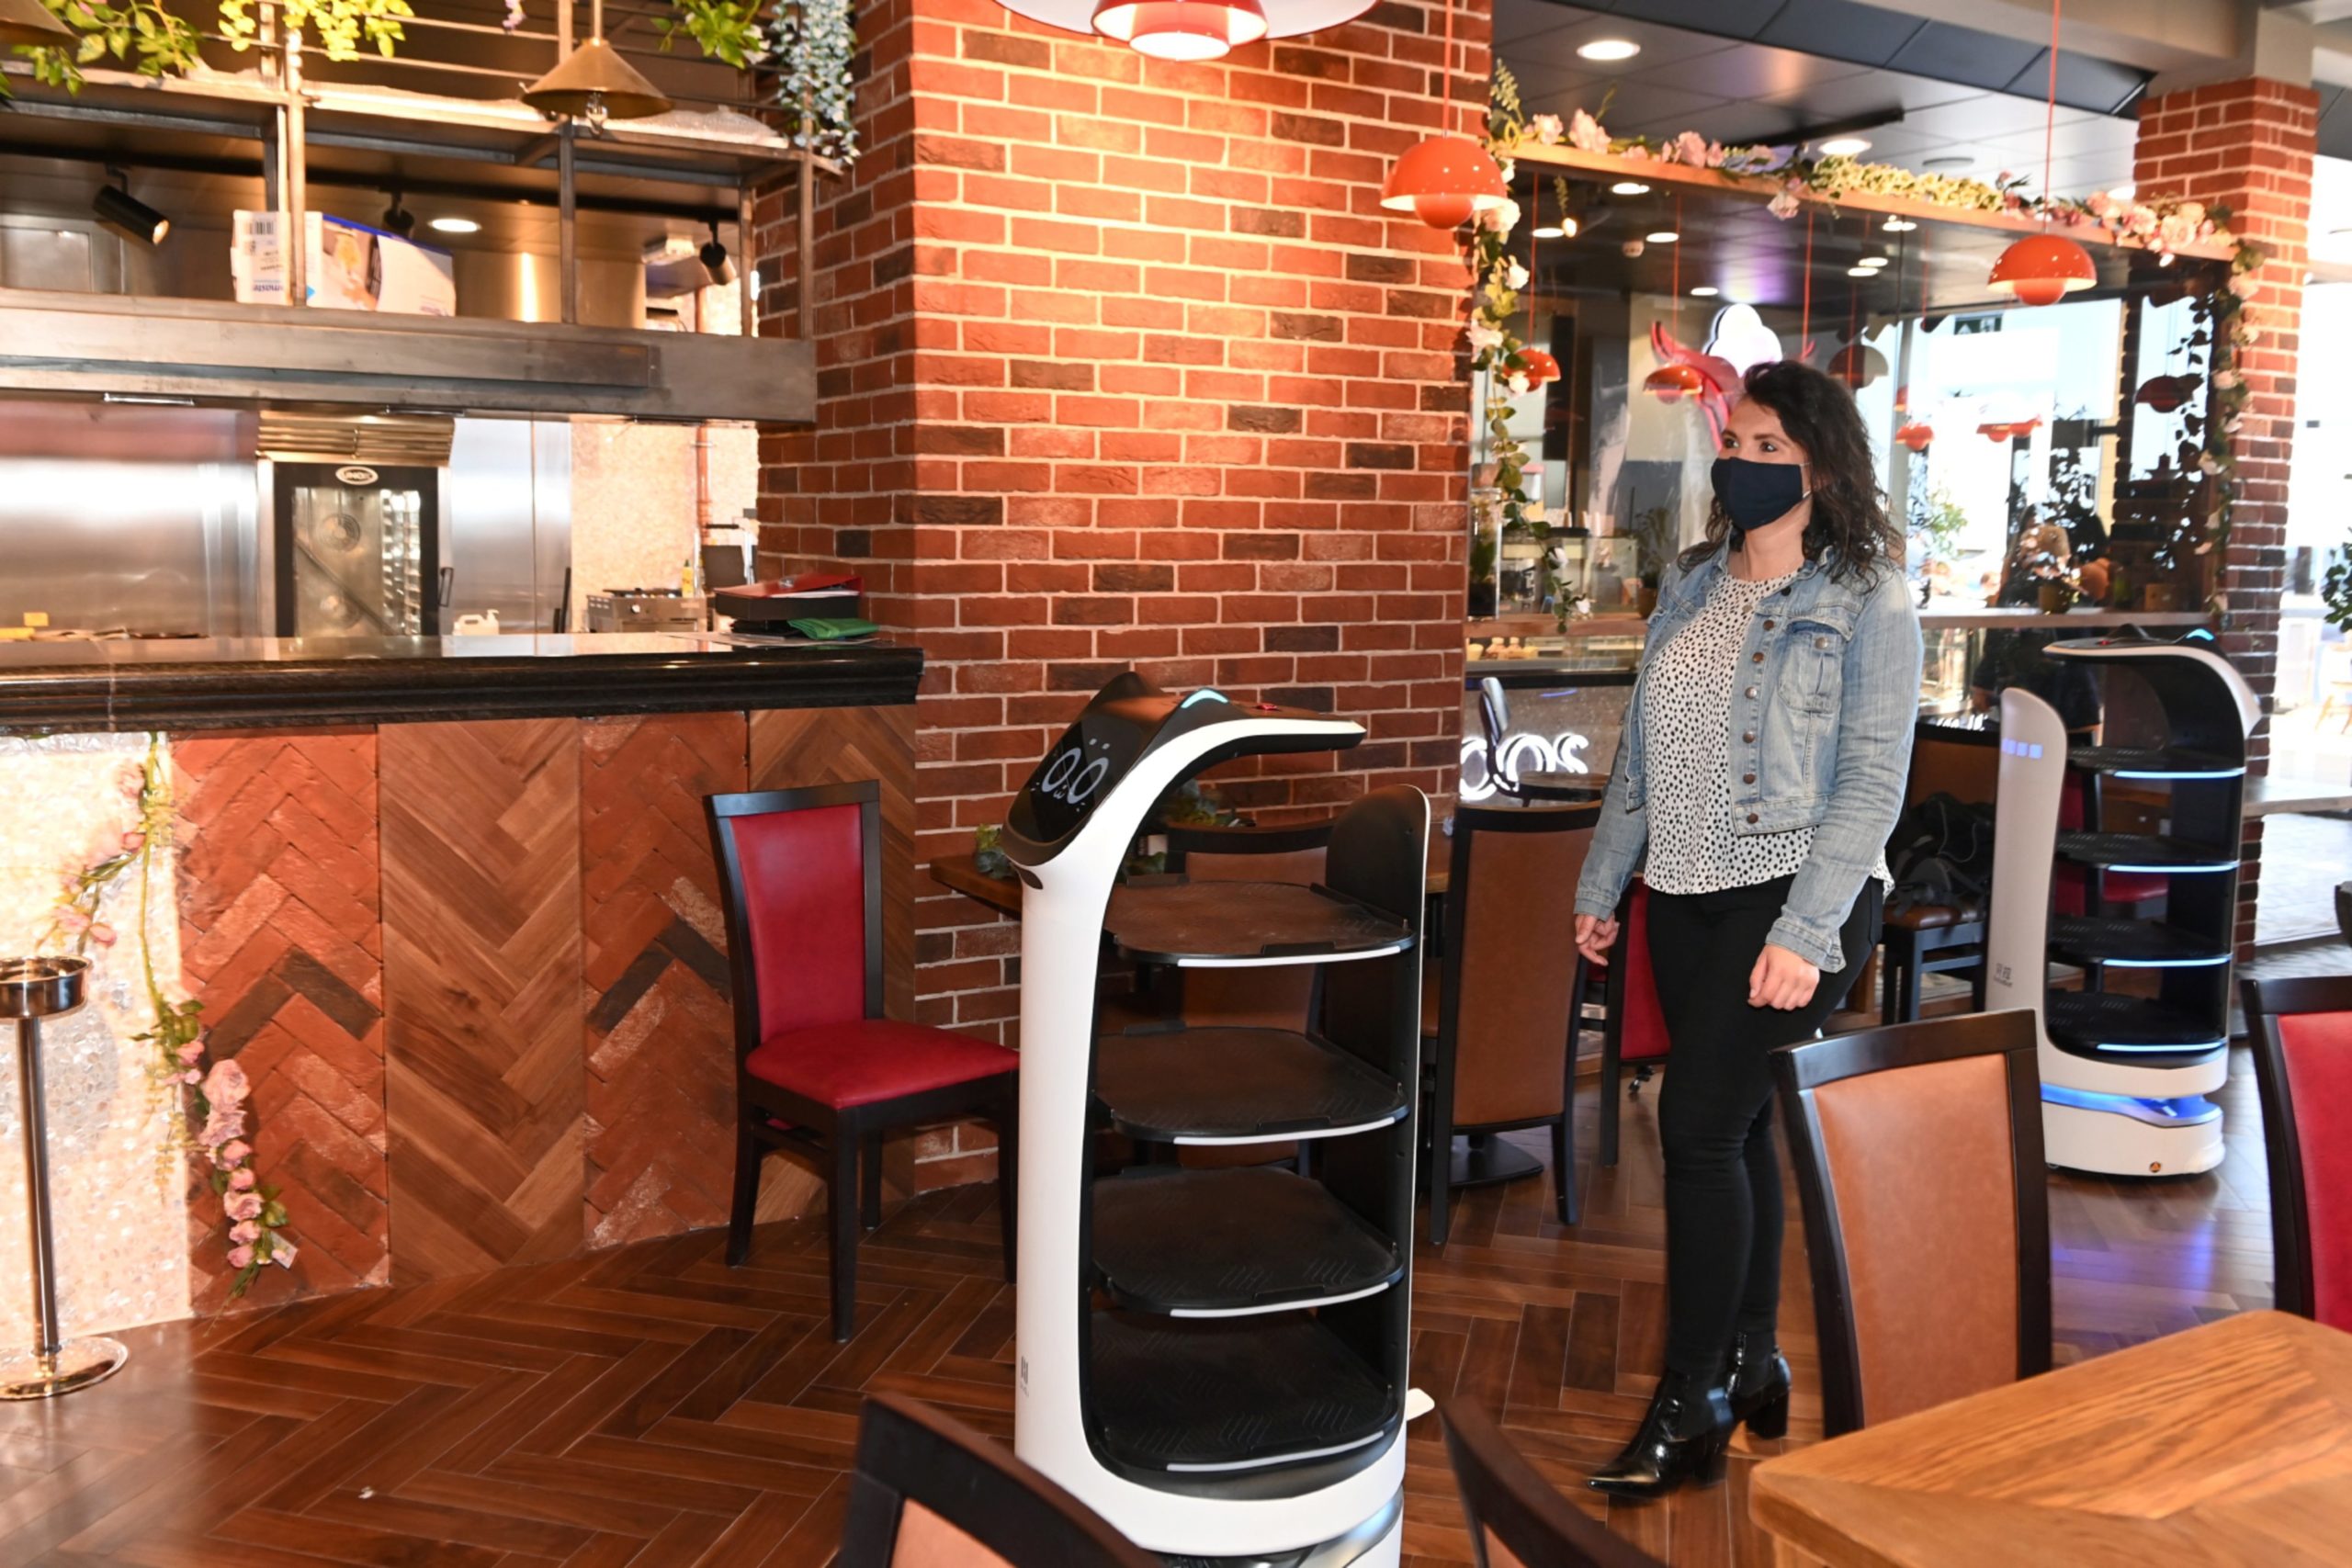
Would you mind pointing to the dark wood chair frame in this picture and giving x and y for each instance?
(769, 1117)
(1438, 1066)
(909, 1453)
(1502, 1493)
(2291, 1218)
(1199, 838)
(1798, 1070)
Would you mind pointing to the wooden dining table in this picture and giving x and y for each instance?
(2228, 1444)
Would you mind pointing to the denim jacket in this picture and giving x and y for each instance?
(1820, 724)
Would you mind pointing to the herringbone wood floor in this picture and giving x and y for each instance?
(646, 1406)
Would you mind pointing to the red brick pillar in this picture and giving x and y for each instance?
(2248, 146)
(1121, 363)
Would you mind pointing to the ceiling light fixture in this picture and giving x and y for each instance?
(1948, 161)
(29, 24)
(1629, 188)
(1548, 231)
(1609, 48)
(1190, 29)
(126, 214)
(1444, 180)
(1705, 291)
(2043, 268)
(594, 84)
(1662, 236)
(1861, 272)
(452, 226)
(1873, 263)
(399, 220)
(716, 260)
(1898, 225)
(1845, 146)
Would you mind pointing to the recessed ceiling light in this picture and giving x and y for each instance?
(1706, 291)
(1661, 236)
(1629, 188)
(1949, 161)
(1873, 263)
(1549, 231)
(1861, 272)
(1609, 48)
(454, 225)
(1899, 225)
(1846, 146)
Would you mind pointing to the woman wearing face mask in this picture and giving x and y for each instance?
(1761, 767)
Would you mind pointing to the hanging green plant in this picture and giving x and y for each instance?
(815, 42)
(338, 26)
(140, 34)
(724, 29)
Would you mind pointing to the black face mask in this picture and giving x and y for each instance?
(1756, 493)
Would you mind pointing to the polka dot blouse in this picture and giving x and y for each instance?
(1686, 738)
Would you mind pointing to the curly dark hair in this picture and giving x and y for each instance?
(1850, 516)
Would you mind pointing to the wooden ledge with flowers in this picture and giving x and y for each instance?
(397, 989)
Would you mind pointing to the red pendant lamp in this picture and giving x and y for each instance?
(2043, 268)
(1916, 434)
(1672, 383)
(1190, 29)
(1444, 180)
(1540, 368)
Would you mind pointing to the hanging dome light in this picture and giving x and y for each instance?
(2166, 393)
(1672, 383)
(2042, 269)
(1181, 29)
(1540, 368)
(1444, 181)
(1190, 29)
(1916, 435)
(594, 84)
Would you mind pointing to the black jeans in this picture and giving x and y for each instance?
(1723, 1179)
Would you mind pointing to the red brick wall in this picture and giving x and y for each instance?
(2248, 146)
(1120, 363)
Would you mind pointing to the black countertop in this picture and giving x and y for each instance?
(248, 682)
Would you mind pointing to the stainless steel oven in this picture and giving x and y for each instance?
(359, 550)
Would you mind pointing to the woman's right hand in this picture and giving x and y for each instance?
(1595, 937)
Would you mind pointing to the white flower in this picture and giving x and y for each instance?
(2193, 212)
(1547, 129)
(1484, 338)
(2244, 285)
(1502, 219)
(2207, 464)
(1515, 276)
(2228, 380)
(1518, 385)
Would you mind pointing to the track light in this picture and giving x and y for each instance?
(399, 220)
(126, 214)
(716, 260)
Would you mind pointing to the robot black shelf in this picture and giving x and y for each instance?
(1238, 1085)
(2145, 851)
(2140, 762)
(2131, 944)
(1197, 1242)
(1232, 1394)
(2109, 1026)
(1196, 924)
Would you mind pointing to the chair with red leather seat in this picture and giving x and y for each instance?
(2301, 1031)
(817, 1065)
(1633, 1027)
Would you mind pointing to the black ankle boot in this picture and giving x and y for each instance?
(1681, 1438)
(1758, 1385)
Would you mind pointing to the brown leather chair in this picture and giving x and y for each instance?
(1926, 1210)
(929, 1492)
(1516, 1518)
(1936, 939)
(1498, 1037)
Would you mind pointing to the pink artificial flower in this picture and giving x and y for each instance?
(239, 1257)
(242, 1205)
(133, 842)
(131, 780)
(225, 1127)
(2190, 212)
(1783, 206)
(104, 846)
(241, 1179)
(1716, 153)
(246, 1231)
(102, 933)
(1547, 129)
(2143, 219)
(1691, 148)
(1585, 133)
(226, 1084)
(234, 1152)
(192, 1077)
(1638, 154)
(2099, 203)
(70, 918)
(281, 1252)
(192, 1053)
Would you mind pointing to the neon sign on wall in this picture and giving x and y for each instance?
(1522, 753)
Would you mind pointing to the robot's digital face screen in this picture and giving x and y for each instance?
(1091, 756)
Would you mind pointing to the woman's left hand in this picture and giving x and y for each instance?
(1780, 979)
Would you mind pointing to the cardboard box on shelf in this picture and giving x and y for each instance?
(351, 267)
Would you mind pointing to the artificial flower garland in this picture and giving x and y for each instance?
(2162, 225)
(204, 1110)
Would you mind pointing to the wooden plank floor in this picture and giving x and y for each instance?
(646, 1406)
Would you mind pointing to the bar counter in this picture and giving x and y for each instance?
(449, 905)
